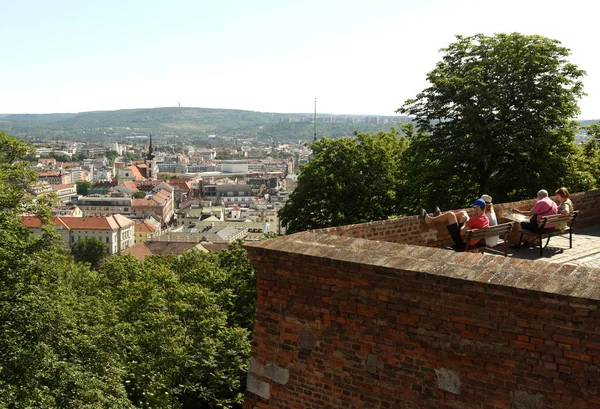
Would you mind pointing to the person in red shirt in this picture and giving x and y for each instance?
(458, 223)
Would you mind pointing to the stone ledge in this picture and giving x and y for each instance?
(484, 268)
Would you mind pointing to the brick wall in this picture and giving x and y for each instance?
(411, 230)
(344, 322)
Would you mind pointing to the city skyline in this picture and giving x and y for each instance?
(266, 56)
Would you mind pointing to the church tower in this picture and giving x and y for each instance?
(151, 168)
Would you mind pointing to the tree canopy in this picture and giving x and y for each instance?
(51, 337)
(167, 332)
(349, 180)
(89, 250)
(83, 187)
(496, 119)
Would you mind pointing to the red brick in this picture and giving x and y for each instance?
(498, 339)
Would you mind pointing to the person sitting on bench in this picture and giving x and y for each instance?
(543, 207)
(491, 215)
(458, 223)
(565, 207)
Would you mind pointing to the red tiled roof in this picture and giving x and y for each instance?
(90, 223)
(64, 186)
(122, 221)
(139, 251)
(142, 226)
(33, 222)
(215, 247)
(129, 184)
(160, 198)
(136, 172)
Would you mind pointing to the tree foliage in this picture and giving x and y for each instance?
(184, 326)
(168, 332)
(111, 155)
(89, 250)
(587, 171)
(349, 180)
(52, 343)
(83, 187)
(496, 119)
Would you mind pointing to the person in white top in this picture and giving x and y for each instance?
(491, 215)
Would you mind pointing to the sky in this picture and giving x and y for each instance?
(354, 57)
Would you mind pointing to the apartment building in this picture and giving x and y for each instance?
(116, 231)
(55, 177)
(159, 203)
(96, 205)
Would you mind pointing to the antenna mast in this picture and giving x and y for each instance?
(315, 121)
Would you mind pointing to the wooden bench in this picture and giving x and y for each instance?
(500, 230)
(552, 220)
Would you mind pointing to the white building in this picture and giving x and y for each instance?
(116, 231)
(234, 166)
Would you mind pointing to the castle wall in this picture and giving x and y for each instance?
(411, 230)
(343, 322)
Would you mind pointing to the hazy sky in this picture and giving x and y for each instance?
(355, 57)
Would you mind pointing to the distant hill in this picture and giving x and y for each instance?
(47, 118)
(215, 126)
(588, 122)
(190, 123)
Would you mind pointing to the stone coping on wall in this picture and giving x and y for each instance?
(412, 230)
(532, 275)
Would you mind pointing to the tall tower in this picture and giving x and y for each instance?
(151, 168)
(315, 122)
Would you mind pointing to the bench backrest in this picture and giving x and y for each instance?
(498, 230)
(558, 218)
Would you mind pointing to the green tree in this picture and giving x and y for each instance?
(132, 156)
(111, 155)
(349, 180)
(83, 187)
(89, 250)
(78, 157)
(587, 172)
(60, 157)
(184, 326)
(496, 119)
(139, 194)
(56, 349)
(169, 332)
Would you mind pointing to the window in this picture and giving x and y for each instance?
(107, 239)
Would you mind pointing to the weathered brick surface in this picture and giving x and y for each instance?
(372, 324)
(411, 230)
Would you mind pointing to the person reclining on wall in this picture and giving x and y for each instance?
(458, 223)
(543, 207)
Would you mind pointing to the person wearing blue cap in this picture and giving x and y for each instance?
(458, 223)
